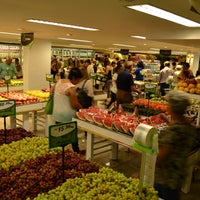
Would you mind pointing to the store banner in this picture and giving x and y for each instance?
(27, 39)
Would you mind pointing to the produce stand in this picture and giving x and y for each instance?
(144, 141)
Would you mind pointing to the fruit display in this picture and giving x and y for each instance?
(118, 120)
(14, 134)
(190, 86)
(13, 82)
(107, 184)
(41, 174)
(19, 97)
(17, 152)
(39, 94)
(147, 107)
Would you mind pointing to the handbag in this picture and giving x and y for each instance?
(83, 98)
(49, 106)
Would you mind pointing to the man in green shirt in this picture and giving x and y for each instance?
(7, 69)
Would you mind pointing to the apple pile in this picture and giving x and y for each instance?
(19, 97)
(107, 184)
(42, 174)
(14, 134)
(190, 86)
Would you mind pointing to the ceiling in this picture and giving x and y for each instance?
(114, 20)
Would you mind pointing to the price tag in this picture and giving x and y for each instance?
(62, 134)
(49, 77)
(150, 87)
(7, 79)
(7, 108)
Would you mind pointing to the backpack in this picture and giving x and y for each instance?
(83, 98)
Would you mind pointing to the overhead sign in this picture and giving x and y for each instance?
(62, 134)
(7, 108)
(27, 39)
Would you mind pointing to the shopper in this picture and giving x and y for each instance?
(186, 72)
(175, 144)
(163, 76)
(113, 87)
(65, 100)
(18, 68)
(7, 69)
(125, 85)
(137, 72)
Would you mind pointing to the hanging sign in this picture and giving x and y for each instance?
(62, 134)
(7, 79)
(7, 108)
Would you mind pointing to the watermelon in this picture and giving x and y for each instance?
(98, 119)
(80, 115)
(107, 122)
(116, 125)
(88, 116)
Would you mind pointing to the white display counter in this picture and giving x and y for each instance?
(115, 137)
(26, 111)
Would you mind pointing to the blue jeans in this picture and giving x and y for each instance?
(167, 193)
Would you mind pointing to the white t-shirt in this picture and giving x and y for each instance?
(62, 109)
(113, 87)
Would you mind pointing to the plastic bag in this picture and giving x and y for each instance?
(49, 106)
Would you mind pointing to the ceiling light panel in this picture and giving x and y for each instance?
(138, 36)
(124, 45)
(71, 39)
(157, 12)
(62, 25)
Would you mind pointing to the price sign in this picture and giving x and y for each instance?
(49, 77)
(62, 134)
(7, 79)
(7, 108)
(150, 87)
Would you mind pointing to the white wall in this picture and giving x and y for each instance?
(36, 64)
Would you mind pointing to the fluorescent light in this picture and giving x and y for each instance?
(79, 45)
(139, 37)
(123, 45)
(71, 39)
(60, 24)
(155, 49)
(151, 10)
(8, 33)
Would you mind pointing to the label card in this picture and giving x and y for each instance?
(7, 108)
(62, 134)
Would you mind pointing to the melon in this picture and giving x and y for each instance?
(125, 129)
(80, 115)
(98, 119)
(107, 122)
(88, 117)
(116, 125)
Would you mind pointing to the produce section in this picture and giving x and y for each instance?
(34, 172)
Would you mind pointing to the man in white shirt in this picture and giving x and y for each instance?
(163, 76)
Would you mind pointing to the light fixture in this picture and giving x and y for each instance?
(9, 33)
(62, 25)
(151, 10)
(156, 49)
(71, 39)
(138, 36)
(80, 45)
(124, 45)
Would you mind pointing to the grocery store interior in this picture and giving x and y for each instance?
(35, 32)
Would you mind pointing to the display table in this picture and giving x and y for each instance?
(115, 137)
(27, 110)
